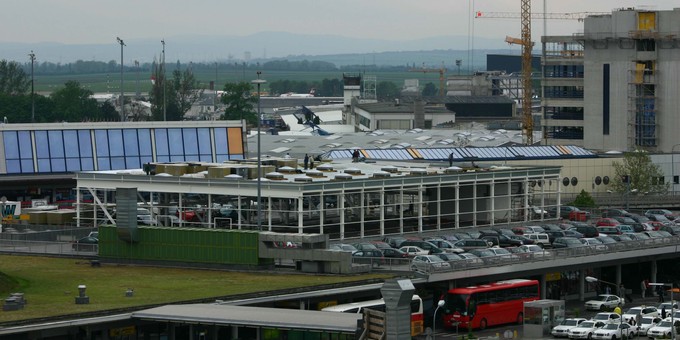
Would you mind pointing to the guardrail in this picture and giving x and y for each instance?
(48, 247)
(549, 254)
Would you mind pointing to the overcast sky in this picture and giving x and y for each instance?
(98, 21)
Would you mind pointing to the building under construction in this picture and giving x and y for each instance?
(630, 60)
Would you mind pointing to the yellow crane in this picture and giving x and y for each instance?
(525, 17)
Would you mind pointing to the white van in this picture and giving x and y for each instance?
(540, 239)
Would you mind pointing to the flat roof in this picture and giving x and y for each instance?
(252, 316)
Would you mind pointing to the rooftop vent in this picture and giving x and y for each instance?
(314, 173)
(325, 167)
(287, 170)
(391, 169)
(343, 177)
(352, 171)
(275, 176)
(303, 179)
(418, 172)
(233, 177)
(453, 169)
(381, 174)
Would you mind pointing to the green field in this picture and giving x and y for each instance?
(110, 82)
(50, 284)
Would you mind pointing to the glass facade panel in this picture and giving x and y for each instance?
(25, 145)
(42, 144)
(132, 162)
(27, 166)
(190, 142)
(204, 146)
(103, 163)
(102, 142)
(11, 144)
(58, 164)
(162, 151)
(87, 164)
(56, 140)
(71, 145)
(144, 136)
(116, 143)
(85, 143)
(72, 164)
(13, 166)
(117, 163)
(175, 142)
(131, 142)
(44, 165)
(221, 145)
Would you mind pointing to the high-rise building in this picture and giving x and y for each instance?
(629, 66)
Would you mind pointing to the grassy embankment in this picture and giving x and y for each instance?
(50, 284)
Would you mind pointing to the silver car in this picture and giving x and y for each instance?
(429, 263)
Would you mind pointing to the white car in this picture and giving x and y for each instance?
(535, 250)
(607, 317)
(632, 313)
(585, 329)
(429, 263)
(414, 251)
(662, 329)
(615, 331)
(646, 323)
(604, 302)
(562, 330)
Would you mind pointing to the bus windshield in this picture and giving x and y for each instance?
(457, 303)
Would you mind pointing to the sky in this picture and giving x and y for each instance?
(98, 21)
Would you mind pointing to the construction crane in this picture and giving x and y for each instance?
(557, 16)
(441, 71)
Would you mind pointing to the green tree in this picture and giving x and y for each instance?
(643, 175)
(240, 102)
(387, 90)
(177, 94)
(430, 90)
(584, 200)
(13, 79)
(73, 103)
(186, 90)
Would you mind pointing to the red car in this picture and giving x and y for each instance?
(606, 222)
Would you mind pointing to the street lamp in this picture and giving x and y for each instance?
(122, 98)
(593, 280)
(440, 303)
(163, 83)
(259, 82)
(32, 56)
(672, 306)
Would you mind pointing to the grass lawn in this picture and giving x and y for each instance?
(50, 284)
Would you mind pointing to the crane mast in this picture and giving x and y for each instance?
(527, 117)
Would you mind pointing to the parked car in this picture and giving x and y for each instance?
(430, 247)
(87, 243)
(615, 213)
(671, 229)
(646, 323)
(393, 253)
(381, 245)
(661, 219)
(607, 317)
(470, 244)
(621, 238)
(343, 247)
(532, 229)
(586, 229)
(414, 251)
(542, 239)
(535, 250)
(374, 257)
(609, 230)
(428, 263)
(604, 302)
(642, 311)
(365, 246)
(444, 245)
(620, 330)
(567, 242)
(471, 259)
(665, 212)
(585, 329)
(394, 241)
(662, 329)
(523, 238)
(573, 233)
(562, 330)
(601, 222)
(593, 243)
(504, 231)
(626, 229)
(502, 241)
(564, 211)
(553, 234)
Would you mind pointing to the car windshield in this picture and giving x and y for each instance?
(571, 241)
(601, 316)
(569, 322)
(601, 298)
(665, 323)
(646, 321)
(611, 326)
(634, 311)
(587, 324)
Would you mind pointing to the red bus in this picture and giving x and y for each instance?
(491, 304)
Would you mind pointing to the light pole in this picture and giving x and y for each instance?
(137, 93)
(163, 82)
(259, 82)
(32, 56)
(672, 306)
(440, 303)
(594, 279)
(122, 98)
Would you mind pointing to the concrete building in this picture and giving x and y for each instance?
(630, 68)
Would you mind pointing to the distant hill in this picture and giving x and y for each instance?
(269, 45)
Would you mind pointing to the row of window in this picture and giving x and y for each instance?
(114, 149)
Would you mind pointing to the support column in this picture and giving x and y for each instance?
(364, 210)
(300, 215)
(653, 271)
(211, 223)
(341, 212)
(492, 205)
(382, 211)
(581, 285)
(439, 206)
(401, 211)
(618, 279)
(456, 200)
(544, 287)
(240, 212)
(525, 192)
(94, 210)
(268, 211)
(322, 206)
(420, 209)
